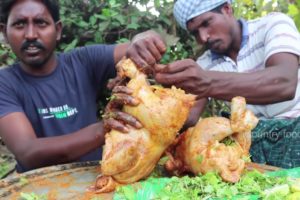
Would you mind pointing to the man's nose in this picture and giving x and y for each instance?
(31, 33)
(204, 36)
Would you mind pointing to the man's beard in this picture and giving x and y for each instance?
(35, 63)
(38, 63)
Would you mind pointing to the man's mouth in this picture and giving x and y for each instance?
(214, 44)
(32, 50)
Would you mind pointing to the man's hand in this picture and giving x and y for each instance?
(113, 117)
(146, 49)
(185, 74)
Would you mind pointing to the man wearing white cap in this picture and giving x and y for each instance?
(257, 59)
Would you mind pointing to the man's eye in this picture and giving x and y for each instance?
(41, 23)
(19, 24)
(205, 24)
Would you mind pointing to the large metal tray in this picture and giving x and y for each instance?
(68, 181)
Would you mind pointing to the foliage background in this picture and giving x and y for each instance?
(115, 21)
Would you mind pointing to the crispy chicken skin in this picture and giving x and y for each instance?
(129, 157)
(199, 149)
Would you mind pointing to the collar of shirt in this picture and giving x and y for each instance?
(245, 36)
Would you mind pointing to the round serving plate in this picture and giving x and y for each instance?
(67, 181)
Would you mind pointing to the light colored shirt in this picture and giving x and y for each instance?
(261, 38)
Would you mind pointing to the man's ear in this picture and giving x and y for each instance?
(3, 31)
(227, 9)
(58, 26)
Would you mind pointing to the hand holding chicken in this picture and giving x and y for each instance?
(129, 157)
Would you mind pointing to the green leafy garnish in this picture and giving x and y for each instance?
(208, 186)
(32, 196)
(23, 181)
(199, 159)
(111, 98)
(228, 141)
(246, 158)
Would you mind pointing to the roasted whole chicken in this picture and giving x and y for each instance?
(129, 157)
(200, 150)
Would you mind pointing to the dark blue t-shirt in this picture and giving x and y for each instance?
(63, 101)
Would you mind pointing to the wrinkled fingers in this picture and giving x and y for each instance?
(124, 99)
(112, 123)
(128, 119)
(112, 83)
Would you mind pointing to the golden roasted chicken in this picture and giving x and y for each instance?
(200, 150)
(129, 157)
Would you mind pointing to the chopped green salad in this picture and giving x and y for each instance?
(252, 185)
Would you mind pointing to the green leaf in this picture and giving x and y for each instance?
(23, 181)
(120, 19)
(103, 26)
(293, 10)
(157, 3)
(199, 159)
(82, 24)
(102, 17)
(72, 45)
(93, 20)
(113, 13)
(133, 26)
(163, 160)
(98, 37)
(134, 19)
(32, 196)
(123, 40)
(106, 12)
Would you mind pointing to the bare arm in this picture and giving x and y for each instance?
(120, 51)
(18, 134)
(276, 83)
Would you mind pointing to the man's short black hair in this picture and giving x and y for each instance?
(6, 5)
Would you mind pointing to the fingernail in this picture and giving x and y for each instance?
(125, 130)
(138, 125)
(159, 67)
(134, 102)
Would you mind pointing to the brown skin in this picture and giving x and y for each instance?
(30, 21)
(222, 33)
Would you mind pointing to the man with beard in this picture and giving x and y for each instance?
(48, 100)
(256, 59)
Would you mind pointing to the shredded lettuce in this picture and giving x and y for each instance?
(208, 186)
(32, 196)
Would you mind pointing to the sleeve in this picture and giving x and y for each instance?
(281, 36)
(9, 101)
(99, 61)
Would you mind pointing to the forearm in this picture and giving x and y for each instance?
(62, 149)
(274, 84)
(120, 51)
